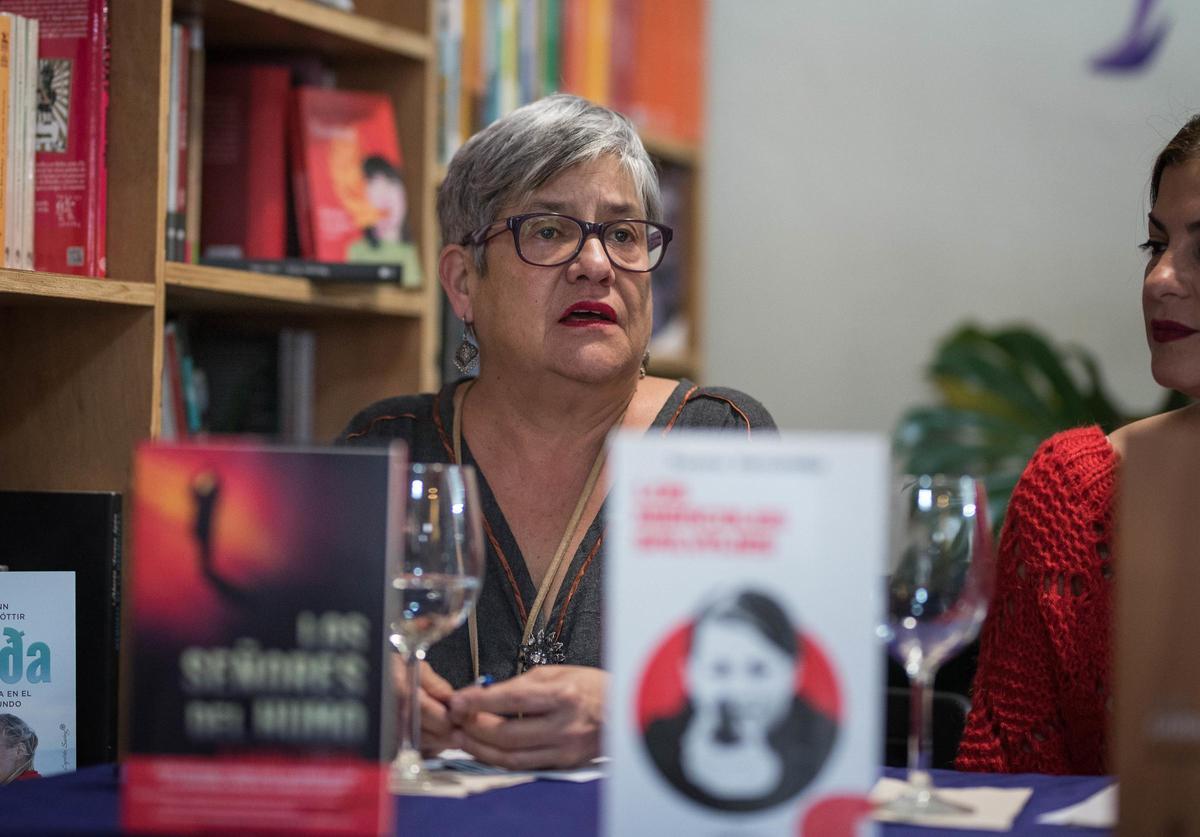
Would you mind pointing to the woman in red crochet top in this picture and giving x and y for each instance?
(1043, 690)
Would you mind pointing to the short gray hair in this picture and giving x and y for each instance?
(15, 733)
(511, 158)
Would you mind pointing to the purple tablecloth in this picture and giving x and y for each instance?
(86, 803)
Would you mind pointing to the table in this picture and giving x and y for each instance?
(85, 803)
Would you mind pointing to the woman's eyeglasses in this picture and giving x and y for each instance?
(548, 239)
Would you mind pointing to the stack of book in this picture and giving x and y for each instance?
(274, 169)
(53, 112)
(645, 59)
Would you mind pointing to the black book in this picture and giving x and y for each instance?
(391, 274)
(79, 532)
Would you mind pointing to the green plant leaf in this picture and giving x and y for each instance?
(1003, 391)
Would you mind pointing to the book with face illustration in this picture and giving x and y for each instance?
(744, 592)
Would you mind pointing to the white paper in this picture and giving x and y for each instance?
(991, 809)
(461, 785)
(1097, 811)
(463, 762)
(743, 593)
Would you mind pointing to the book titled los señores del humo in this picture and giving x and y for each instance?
(258, 694)
(37, 673)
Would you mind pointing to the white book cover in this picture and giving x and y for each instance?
(743, 593)
(15, 238)
(37, 673)
(32, 79)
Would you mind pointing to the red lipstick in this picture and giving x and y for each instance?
(1168, 331)
(588, 314)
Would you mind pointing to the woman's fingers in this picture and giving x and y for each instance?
(527, 759)
(434, 683)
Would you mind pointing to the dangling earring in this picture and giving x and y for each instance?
(645, 363)
(466, 354)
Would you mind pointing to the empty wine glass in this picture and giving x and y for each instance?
(939, 587)
(436, 557)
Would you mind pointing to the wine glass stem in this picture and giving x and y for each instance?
(920, 722)
(410, 726)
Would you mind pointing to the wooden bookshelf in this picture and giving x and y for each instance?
(81, 359)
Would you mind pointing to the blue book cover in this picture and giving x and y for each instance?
(37, 674)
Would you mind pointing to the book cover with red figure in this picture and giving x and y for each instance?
(71, 180)
(258, 690)
(244, 180)
(351, 202)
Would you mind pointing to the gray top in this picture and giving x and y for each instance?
(425, 422)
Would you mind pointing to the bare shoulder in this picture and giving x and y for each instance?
(1184, 417)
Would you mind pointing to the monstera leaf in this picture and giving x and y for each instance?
(1002, 393)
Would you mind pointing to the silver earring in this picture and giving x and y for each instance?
(466, 355)
(645, 363)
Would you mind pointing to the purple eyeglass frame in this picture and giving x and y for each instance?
(513, 223)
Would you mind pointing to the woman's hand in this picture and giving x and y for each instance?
(436, 729)
(550, 716)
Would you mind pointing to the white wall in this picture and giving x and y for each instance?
(879, 172)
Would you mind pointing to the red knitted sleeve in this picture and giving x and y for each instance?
(1040, 701)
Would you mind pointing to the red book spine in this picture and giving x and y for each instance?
(97, 147)
(245, 169)
(266, 182)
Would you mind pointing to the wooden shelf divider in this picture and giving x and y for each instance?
(213, 288)
(305, 25)
(26, 286)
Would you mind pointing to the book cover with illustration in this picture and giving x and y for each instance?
(258, 684)
(38, 733)
(70, 192)
(348, 183)
(77, 533)
(746, 700)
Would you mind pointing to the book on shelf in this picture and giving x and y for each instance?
(667, 94)
(7, 96)
(671, 333)
(69, 127)
(334, 272)
(65, 546)
(449, 34)
(194, 136)
(226, 380)
(347, 182)
(259, 676)
(178, 135)
(244, 183)
(21, 60)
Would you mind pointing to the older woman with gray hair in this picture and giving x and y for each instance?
(18, 743)
(551, 222)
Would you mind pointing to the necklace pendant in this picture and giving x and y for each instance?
(542, 649)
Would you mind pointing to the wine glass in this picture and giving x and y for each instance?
(435, 566)
(939, 587)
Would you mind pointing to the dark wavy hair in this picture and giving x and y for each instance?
(759, 611)
(1184, 146)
